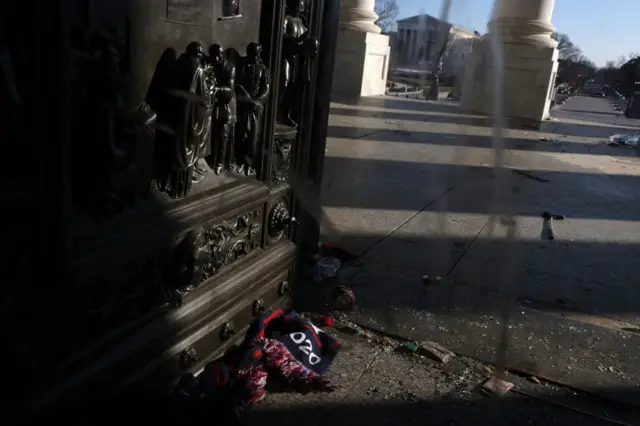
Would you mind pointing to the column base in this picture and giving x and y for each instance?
(528, 81)
(361, 64)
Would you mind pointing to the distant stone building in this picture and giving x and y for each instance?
(418, 39)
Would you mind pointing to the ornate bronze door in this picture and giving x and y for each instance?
(173, 137)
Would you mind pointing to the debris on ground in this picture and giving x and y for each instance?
(325, 268)
(534, 379)
(343, 298)
(544, 139)
(411, 347)
(496, 387)
(436, 352)
(386, 341)
(488, 369)
(345, 325)
(548, 221)
(281, 342)
(632, 140)
(327, 321)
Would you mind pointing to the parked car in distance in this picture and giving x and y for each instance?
(593, 89)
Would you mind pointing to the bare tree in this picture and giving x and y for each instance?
(387, 11)
(566, 49)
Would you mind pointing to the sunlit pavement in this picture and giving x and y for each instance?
(409, 186)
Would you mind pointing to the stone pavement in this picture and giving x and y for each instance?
(409, 186)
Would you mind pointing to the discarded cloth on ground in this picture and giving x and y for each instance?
(276, 343)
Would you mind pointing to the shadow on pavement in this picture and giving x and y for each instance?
(456, 140)
(387, 211)
(450, 114)
(578, 192)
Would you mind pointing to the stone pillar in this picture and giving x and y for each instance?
(362, 56)
(530, 63)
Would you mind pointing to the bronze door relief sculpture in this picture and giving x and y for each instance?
(299, 49)
(224, 74)
(113, 143)
(252, 88)
(189, 119)
(180, 210)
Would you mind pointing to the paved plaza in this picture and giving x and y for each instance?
(409, 186)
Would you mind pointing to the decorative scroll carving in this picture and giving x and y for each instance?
(160, 280)
(113, 143)
(253, 84)
(279, 220)
(231, 240)
(298, 51)
(284, 139)
(186, 269)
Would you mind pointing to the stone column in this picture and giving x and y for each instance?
(359, 15)
(530, 63)
(362, 56)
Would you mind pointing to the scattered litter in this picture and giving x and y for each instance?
(548, 219)
(488, 369)
(344, 298)
(529, 175)
(326, 267)
(545, 139)
(632, 140)
(436, 352)
(386, 341)
(327, 321)
(411, 347)
(496, 387)
(534, 379)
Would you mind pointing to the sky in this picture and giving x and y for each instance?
(603, 29)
